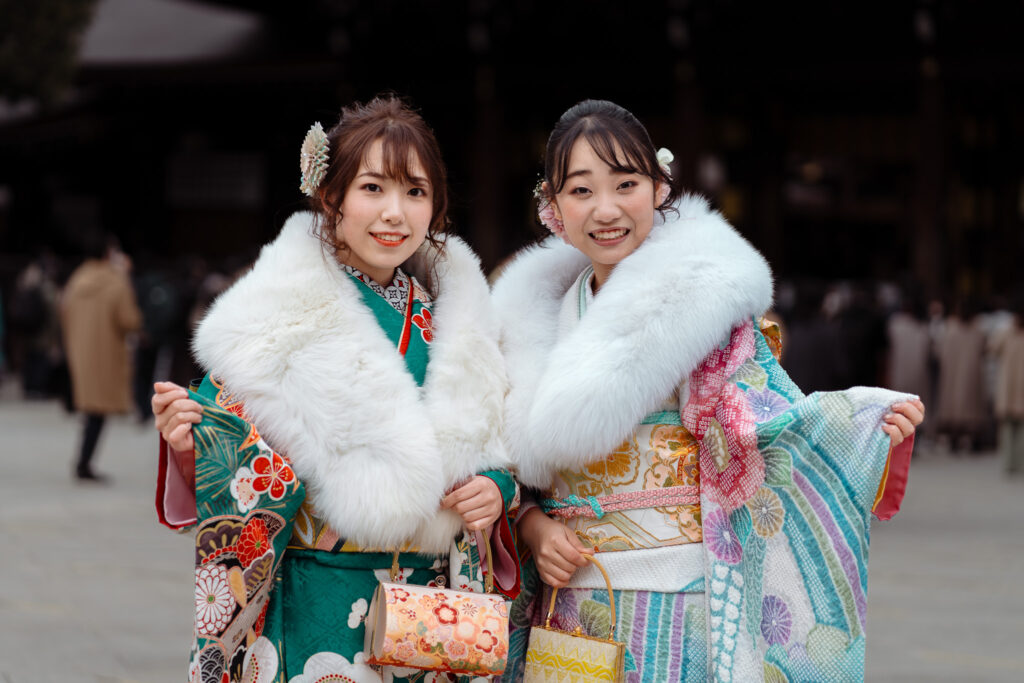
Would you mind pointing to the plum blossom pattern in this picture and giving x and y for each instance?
(446, 614)
(261, 662)
(272, 474)
(720, 537)
(776, 620)
(242, 490)
(330, 666)
(487, 641)
(425, 322)
(358, 613)
(456, 649)
(432, 628)
(766, 404)
(214, 602)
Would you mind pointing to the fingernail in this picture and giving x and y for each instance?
(889, 416)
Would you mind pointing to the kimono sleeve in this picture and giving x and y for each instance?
(788, 483)
(175, 497)
(246, 499)
(505, 558)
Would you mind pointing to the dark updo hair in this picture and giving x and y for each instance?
(618, 139)
(400, 130)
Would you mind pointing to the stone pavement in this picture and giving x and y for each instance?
(93, 589)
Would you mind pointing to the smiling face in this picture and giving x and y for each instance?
(607, 213)
(383, 219)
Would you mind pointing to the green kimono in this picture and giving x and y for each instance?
(280, 596)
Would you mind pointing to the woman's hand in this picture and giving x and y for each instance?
(904, 418)
(174, 414)
(557, 551)
(478, 502)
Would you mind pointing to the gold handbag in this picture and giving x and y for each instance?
(571, 657)
(438, 629)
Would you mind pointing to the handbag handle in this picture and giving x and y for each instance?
(488, 577)
(611, 599)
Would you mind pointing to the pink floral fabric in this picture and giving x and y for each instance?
(445, 630)
(718, 414)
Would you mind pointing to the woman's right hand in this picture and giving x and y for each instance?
(557, 551)
(174, 414)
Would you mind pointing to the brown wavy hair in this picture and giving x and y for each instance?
(401, 130)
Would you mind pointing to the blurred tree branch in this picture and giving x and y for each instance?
(39, 42)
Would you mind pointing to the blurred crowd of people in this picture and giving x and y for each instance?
(965, 358)
(95, 332)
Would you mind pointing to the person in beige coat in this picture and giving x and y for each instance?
(962, 408)
(98, 312)
(1008, 348)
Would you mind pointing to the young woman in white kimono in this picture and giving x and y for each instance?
(363, 348)
(650, 417)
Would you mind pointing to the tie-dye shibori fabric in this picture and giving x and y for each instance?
(734, 523)
(787, 486)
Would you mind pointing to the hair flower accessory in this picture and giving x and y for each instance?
(546, 212)
(664, 157)
(313, 159)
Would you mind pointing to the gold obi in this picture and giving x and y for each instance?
(645, 494)
(310, 532)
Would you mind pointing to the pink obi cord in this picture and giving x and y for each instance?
(594, 507)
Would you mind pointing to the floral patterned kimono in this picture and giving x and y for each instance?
(730, 510)
(281, 593)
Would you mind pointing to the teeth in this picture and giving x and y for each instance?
(609, 234)
(390, 238)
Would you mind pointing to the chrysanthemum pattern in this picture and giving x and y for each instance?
(766, 512)
(776, 620)
(720, 537)
(254, 541)
(766, 404)
(214, 602)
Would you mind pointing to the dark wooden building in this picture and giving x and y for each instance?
(846, 140)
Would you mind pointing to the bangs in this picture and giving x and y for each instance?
(401, 151)
(622, 153)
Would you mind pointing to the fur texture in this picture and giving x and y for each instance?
(662, 310)
(324, 384)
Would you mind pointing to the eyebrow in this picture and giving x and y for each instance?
(418, 180)
(582, 171)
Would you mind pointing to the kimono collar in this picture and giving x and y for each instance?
(396, 292)
(575, 397)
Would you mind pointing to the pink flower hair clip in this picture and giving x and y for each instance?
(546, 212)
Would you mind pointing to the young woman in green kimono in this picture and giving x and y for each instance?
(362, 348)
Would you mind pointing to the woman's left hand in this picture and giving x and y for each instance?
(900, 423)
(478, 502)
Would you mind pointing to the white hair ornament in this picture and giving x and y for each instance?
(313, 159)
